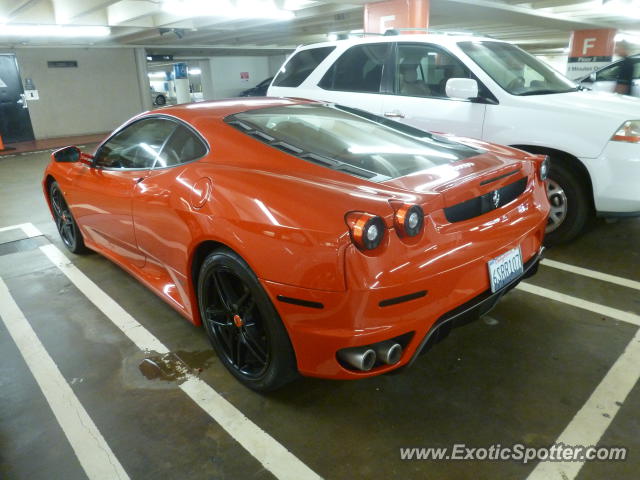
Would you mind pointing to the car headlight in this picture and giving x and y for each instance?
(544, 168)
(629, 131)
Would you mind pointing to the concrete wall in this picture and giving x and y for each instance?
(225, 74)
(96, 97)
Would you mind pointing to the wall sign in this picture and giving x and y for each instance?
(244, 76)
(590, 50)
(62, 64)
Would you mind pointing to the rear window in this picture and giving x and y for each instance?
(300, 66)
(349, 140)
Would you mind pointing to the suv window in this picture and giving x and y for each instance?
(423, 70)
(183, 146)
(137, 146)
(359, 69)
(300, 66)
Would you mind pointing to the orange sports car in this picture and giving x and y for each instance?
(308, 238)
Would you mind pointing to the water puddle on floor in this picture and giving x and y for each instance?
(154, 370)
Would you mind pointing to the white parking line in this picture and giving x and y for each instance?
(624, 282)
(268, 451)
(614, 313)
(93, 452)
(593, 419)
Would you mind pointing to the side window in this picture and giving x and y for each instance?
(137, 146)
(609, 74)
(423, 70)
(183, 146)
(300, 66)
(359, 69)
(636, 70)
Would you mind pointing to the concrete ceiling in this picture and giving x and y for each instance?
(537, 24)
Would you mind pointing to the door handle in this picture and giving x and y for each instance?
(393, 115)
(138, 180)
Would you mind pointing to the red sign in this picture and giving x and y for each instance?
(382, 16)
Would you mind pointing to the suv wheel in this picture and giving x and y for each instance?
(570, 206)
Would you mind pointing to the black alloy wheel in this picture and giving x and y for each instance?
(242, 324)
(67, 227)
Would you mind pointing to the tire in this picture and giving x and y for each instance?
(570, 204)
(161, 100)
(67, 227)
(243, 326)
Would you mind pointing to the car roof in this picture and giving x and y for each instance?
(439, 38)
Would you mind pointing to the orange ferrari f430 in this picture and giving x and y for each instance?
(308, 238)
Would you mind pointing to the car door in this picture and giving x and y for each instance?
(419, 98)
(163, 212)
(358, 77)
(102, 194)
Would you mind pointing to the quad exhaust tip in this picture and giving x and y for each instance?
(364, 358)
(388, 352)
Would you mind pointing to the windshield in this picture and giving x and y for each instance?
(349, 140)
(516, 71)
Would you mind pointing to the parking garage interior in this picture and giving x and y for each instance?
(101, 379)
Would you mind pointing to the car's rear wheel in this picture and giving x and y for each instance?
(66, 224)
(161, 100)
(570, 206)
(242, 324)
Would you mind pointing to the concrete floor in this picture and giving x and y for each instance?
(518, 377)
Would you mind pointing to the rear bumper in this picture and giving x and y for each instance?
(329, 321)
(477, 306)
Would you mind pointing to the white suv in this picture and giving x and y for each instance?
(493, 91)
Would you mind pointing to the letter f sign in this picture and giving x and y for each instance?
(587, 44)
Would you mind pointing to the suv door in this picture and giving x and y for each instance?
(358, 76)
(419, 98)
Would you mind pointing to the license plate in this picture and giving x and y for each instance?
(505, 268)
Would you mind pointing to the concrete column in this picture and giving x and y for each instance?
(181, 82)
(206, 80)
(381, 16)
(140, 55)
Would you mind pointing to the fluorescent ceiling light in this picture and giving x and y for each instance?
(194, 71)
(622, 8)
(52, 31)
(157, 75)
(241, 9)
(628, 37)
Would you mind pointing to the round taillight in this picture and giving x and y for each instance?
(367, 231)
(409, 220)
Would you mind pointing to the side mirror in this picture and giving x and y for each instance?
(71, 154)
(464, 88)
(67, 154)
(592, 77)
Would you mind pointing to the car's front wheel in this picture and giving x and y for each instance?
(66, 224)
(161, 100)
(570, 205)
(242, 324)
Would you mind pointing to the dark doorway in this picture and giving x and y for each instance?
(15, 123)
